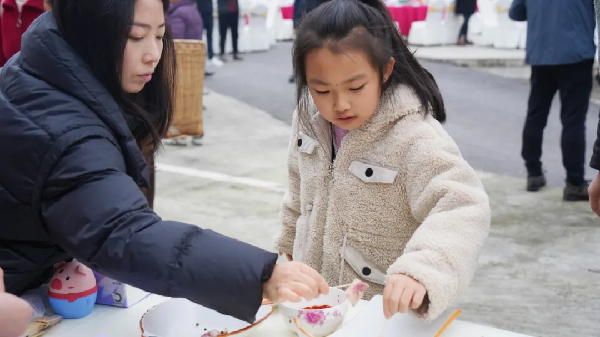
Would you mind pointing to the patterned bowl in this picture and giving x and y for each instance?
(317, 322)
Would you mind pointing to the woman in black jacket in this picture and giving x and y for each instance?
(92, 85)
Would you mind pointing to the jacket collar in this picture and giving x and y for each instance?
(46, 55)
(396, 103)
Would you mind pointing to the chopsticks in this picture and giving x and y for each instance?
(448, 322)
(300, 328)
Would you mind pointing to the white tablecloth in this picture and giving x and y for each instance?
(107, 321)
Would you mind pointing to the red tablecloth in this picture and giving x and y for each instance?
(287, 12)
(406, 15)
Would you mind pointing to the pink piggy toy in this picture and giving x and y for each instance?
(73, 290)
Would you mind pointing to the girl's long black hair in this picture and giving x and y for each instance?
(364, 25)
(98, 30)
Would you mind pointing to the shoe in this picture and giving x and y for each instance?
(197, 140)
(237, 57)
(292, 79)
(208, 73)
(223, 58)
(535, 183)
(576, 192)
(216, 62)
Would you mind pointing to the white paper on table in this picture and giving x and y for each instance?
(370, 321)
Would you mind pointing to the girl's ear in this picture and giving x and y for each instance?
(388, 69)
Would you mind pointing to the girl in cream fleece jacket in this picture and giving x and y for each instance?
(377, 189)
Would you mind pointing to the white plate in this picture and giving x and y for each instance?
(370, 321)
(179, 317)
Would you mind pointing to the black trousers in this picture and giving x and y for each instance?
(574, 84)
(208, 22)
(226, 21)
(464, 29)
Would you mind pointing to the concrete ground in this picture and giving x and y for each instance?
(539, 273)
(471, 56)
(485, 111)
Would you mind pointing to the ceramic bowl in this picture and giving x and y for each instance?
(182, 318)
(317, 322)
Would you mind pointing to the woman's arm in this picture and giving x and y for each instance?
(449, 201)
(98, 214)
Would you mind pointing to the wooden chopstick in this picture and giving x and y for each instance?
(300, 328)
(448, 322)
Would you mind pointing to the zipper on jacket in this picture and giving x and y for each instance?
(19, 20)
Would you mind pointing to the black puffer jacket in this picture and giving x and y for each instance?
(70, 178)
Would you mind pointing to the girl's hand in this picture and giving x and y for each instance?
(399, 293)
(289, 257)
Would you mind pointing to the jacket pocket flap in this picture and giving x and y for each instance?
(373, 173)
(306, 144)
(362, 266)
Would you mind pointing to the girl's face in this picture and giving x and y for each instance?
(344, 86)
(144, 46)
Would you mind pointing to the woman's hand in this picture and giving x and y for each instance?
(15, 313)
(291, 281)
(399, 293)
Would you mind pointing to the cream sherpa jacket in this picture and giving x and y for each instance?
(398, 199)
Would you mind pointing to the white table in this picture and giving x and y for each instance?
(107, 321)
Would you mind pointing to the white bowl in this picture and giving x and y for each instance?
(317, 322)
(182, 318)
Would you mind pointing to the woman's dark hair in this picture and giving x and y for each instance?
(362, 25)
(99, 30)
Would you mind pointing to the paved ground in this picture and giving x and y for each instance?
(539, 273)
(485, 111)
(472, 56)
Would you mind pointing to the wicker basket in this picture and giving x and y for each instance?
(187, 119)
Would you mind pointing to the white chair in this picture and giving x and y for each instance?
(483, 24)
(285, 27)
(257, 29)
(428, 32)
(272, 22)
(507, 33)
(451, 24)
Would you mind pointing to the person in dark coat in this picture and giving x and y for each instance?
(560, 50)
(205, 7)
(92, 84)
(466, 8)
(229, 19)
